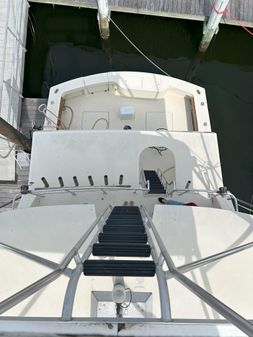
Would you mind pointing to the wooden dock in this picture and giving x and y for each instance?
(29, 117)
(199, 10)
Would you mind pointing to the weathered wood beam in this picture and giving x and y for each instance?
(14, 136)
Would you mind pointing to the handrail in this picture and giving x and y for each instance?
(10, 202)
(148, 185)
(44, 281)
(73, 281)
(35, 258)
(232, 316)
(250, 210)
(144, 181)
(46, 190)
(162, 177)
(43, 109)
(161, 276)
(245, 205)
(212, 258)
(245, 202)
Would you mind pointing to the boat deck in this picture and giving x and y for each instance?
(198, 10)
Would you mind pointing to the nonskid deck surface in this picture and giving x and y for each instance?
(123, 236)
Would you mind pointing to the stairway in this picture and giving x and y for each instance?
(123, 236)
(156, 187)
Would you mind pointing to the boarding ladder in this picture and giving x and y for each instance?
(123, 235)
(155, 184)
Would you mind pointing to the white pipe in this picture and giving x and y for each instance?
(211, 28)
(103, 18)
(219, 8)
(103, 8)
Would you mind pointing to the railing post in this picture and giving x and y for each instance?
(160, 274)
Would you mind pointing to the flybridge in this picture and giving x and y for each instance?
(166, 251)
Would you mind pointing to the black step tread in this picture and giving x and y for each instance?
(121, 249)
(152, 176)
(125, 237)
(124, 228)
(157, 190)
(149, 171)
(119, 268)
(123, 218)
(122, 215)
(126, 218)
(155, 187)
(126, 208)
(122, 222)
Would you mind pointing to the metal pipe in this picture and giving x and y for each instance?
(164, 294)
(34, 287)
(73, 282)
(232, 316)
(161, 277)
(202, 262)
(70, 293)
(46, 190)
(35, 258)
(9, 202)
(245, 203)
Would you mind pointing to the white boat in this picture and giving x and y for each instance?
(91, 250)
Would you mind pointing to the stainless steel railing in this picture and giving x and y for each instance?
(41, 283)
(166, 184)
(228, 313)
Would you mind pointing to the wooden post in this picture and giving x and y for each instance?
(212, 26)
(14, 135)
(103, 19)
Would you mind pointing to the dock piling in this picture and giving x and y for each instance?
(103, 19)
(212, 26)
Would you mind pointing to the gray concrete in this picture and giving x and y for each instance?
(183, 9)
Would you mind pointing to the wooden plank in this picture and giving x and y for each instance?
(183, 6)
(184, 9)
